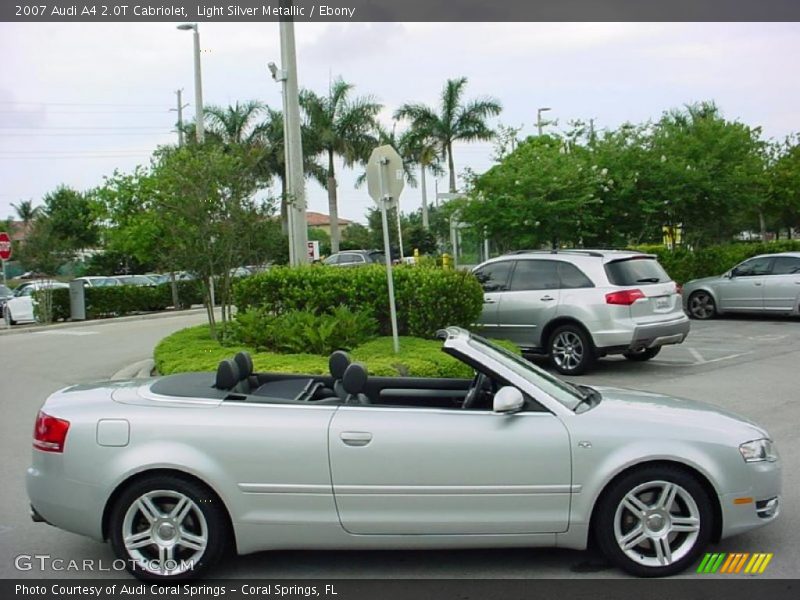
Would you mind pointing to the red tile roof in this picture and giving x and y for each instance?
(315, 219)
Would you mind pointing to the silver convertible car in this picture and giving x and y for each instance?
(174, 471)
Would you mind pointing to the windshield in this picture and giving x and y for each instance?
(562, 391)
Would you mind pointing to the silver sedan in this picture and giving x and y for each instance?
(173, 471)
(767, 284)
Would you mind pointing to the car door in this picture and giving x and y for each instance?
(494, 280)
(530, 302)
(782, 285)
(449, 471)
(744, 289)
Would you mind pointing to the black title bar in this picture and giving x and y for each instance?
(398, 10)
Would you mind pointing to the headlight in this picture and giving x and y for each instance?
(758, 450)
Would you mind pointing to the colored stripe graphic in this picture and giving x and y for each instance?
(766, 562)
(734, 562)
(741, 562)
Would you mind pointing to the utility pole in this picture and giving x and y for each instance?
(539, 123)
(179, 110)
(295, 178)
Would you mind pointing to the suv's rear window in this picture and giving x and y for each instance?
(636, 271)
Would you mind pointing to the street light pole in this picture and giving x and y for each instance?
(295, 178)
(539, 122)
(198, 82)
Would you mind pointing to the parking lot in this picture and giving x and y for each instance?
(748, 365)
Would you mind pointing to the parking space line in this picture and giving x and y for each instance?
(697, 356)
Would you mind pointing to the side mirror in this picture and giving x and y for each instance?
(508, 400)
(729, 274)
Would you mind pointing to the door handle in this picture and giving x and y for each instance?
(547, 298)
(489, 301)
(356, 438)
(756, 283)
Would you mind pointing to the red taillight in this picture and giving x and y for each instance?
(624, 297)
(49, 433)
(678, 288)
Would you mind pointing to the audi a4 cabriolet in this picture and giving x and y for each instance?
(174, 471)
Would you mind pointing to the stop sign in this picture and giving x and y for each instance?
(5, 246)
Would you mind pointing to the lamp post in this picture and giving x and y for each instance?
(198, 82)
(539, 122)
(293, 143)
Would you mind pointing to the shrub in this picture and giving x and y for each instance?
(684, 265)
(427, 299)
(126, 299)
(304, 331)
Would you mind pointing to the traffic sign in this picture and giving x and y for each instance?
(5, 246)
(385, 176)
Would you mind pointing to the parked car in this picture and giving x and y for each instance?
(20, 308)
(240, 272)
(5, 294)
(97, 281)
(354, 258)
(767, 284)
(140, 280)
(578, 305)
(158, 278)
(34, 282)
(174, 470)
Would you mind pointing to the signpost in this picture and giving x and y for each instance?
(5, 251)
(385, 182)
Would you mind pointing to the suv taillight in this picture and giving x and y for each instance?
(678, 288)
(49, 433)
(624, 297)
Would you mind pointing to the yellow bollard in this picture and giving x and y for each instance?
(445, 261)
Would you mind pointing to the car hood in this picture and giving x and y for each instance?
(702, 280)
(671, 414)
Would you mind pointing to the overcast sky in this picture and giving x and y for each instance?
(80, 100)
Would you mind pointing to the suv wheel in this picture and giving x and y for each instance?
(571, 351)
(642, 354)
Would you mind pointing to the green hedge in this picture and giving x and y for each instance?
(126, 299)
(193, 349)
(427, 299)
(684, 265)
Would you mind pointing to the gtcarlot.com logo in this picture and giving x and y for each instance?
(735, 563)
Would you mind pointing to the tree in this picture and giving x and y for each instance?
(784, 186)
(26, 211)
(235, 124)
(456, 120)
(340, 126)
(73, 217)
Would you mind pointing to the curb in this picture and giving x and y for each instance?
(138, 370)
(33, 328)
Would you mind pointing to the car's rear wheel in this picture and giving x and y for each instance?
(654, 521)
(642, 354)
(702, 306)
(168, 528)
(571, 351)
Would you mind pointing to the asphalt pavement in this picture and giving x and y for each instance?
(747, 365)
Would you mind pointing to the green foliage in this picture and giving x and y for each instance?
(122, 300)
(302, 331)
(193, 349)
(73, 217)
(427, 299)
(683, 264)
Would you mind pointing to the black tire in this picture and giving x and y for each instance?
(642, 355)
(615, 521)
(205, 520)
(571, 350)
(701, 306)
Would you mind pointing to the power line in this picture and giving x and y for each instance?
(82, 127)
(23, 135)
(81, 157)
(15, 102)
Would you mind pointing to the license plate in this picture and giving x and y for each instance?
(662, 303)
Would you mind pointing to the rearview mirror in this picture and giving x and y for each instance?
(508, 400)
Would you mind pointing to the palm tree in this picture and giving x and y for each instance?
(26, 212)
(457, 120)
(234, 124)
(340, 126)
(425, 152)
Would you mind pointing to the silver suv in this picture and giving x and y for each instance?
(578, 305)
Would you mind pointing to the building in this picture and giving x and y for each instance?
(322, 221)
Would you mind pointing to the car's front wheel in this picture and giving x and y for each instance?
(642, 354)
(654, 521)
(702, 306)
(571, 350)
(168, 528)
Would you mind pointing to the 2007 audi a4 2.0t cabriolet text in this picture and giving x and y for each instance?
(174, 471)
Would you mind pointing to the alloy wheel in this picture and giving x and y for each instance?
(657, 523)
(567, 350)
(701, 305)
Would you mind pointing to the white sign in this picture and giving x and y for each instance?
(385, 176)
(313, 250)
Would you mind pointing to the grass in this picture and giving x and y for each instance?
(193, 349)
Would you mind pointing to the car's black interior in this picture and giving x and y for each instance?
(348, 383)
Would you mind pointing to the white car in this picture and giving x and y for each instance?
(98, 281)
(20, 308)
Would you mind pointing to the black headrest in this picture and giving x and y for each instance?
(355, 378)
(338, 363)
(245, 364)
(227, 375)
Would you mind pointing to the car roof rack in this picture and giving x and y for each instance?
(595, 253)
